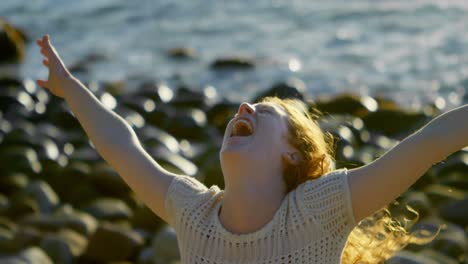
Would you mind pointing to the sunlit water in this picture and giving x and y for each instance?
(412, 51)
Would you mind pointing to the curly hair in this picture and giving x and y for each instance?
(377, 237)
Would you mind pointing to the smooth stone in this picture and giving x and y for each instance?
(189, 124)
(144, 218)
(21, 238)
(65, 217)
(32, 255)
(109, 209)
(46, 198)
(157, 92)
(12, 43)
(165, 246)
(19, 159)
(292, 88)
(221, 113)
(406, 257)
(234, 62)
(418, 201)
(440, 194)
(152, 136)
(21, 205)
(457, 180)
(111, 243)
(187, 97)
(451, 241)
(182, 53)
(173, 162)
(455, 212)
(65, 246)
(394, 123)
(108, 181)
(12, 182)
(348, 104)
(437, 256)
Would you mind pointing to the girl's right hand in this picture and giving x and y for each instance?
(57, 70)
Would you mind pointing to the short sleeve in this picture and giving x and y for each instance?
(327, 200)
(182, 195)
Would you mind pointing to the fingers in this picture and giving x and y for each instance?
(45, 62)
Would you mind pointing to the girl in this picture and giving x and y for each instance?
(283, 201)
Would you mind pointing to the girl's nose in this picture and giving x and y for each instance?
(246, 107)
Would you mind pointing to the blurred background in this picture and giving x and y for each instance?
(177, 71)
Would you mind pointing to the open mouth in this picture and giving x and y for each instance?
(242, 128)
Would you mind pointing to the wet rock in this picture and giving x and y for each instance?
(437, 256)
(182, 53)
(12, 182)
(186, 97)
(440, 194)
(165, 246)
(221, 113)
(32, 255)
(12, 43)
(188, 124)
(455, 212)
(82, 65)
(242, 63)
(292, 88)
(64, 246)
(153, 137)
(350, 104)
(46, 198)
(108, 181)
(110, 209)
(144, 218)
(451, 242)
(160, 116)
(65, 217)
(419, 202)
(173, 162)
(111, 243)
(406, 257)
(394, 122)
(21, 205)
(157, 92)
(21, 238)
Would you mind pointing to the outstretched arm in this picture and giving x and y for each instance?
(375, 185)
(113, 138)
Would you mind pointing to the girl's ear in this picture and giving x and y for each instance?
(291, 157)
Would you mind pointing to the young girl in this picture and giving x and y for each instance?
(283, 201)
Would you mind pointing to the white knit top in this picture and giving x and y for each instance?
(311, 225)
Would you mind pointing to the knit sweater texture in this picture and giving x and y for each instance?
(311, 225)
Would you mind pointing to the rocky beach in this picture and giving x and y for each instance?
(60, 202)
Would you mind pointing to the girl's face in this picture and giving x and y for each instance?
(257, 133)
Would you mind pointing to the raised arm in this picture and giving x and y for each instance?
(375, 185)
(113, 138)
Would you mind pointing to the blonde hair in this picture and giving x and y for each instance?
(377, 237)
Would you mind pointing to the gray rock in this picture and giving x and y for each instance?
(165, 246)
(406, 257)
(456, 212)
(20, 239)
(440, 194)
(32, 255)
(108, 181)
(46, 198)
(12, 43)
(112, 243)
(67, 217)
(109, 209)
(65, 246)
(451, 242)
